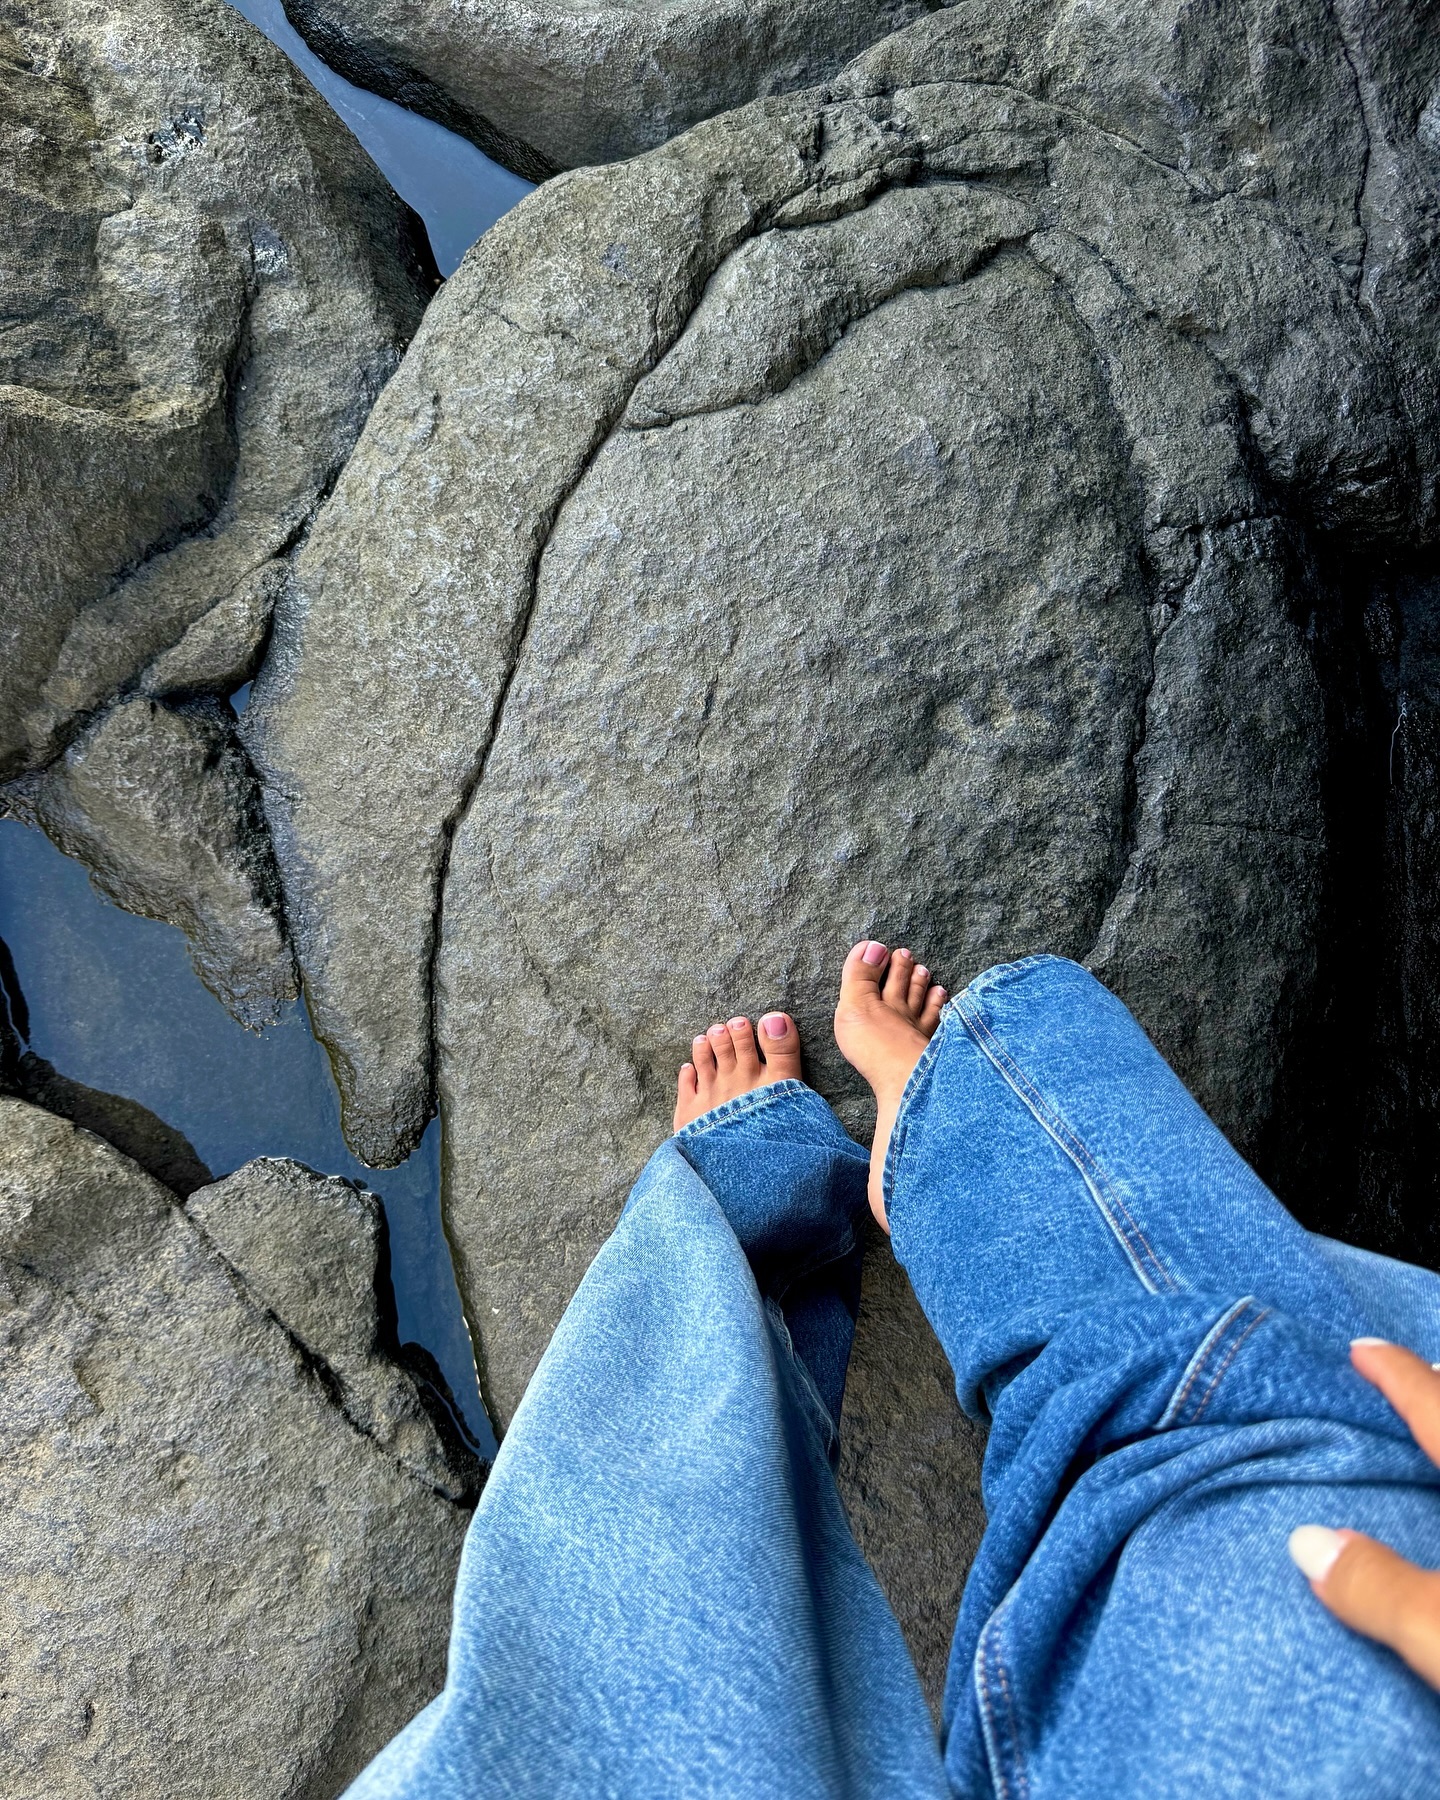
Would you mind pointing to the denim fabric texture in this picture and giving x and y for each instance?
(659, 1594)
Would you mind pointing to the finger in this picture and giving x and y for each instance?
(1375, 1592)
(1408, 1382)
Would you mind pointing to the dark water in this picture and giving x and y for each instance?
(456, 190)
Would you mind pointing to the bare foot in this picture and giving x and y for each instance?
(889, 1009)
(727, 1063)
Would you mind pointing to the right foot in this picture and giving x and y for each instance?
(726, 1062)
(889, 1009)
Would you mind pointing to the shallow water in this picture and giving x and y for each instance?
(456, 190)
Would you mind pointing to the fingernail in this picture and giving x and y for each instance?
(875, 954)
(1380, 1343)
(775, 1025)
(1313, 1549)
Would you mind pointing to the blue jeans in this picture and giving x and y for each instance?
(660, 1596)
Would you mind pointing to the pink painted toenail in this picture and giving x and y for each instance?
(775, 1025)
(738, 1024)
(875, 954)
(717, 1031)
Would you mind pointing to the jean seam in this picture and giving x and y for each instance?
(1097, 1182)
(757, 1099)
(1229, 1358)
(1222, 1341)
(1199, 1361)
(987, 1702)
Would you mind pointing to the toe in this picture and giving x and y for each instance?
(919, 988)
(703, 1058)
(747, 1057)
(781, 1042)
(723, 1049)
(930, 1011)
(687, 1096)
(897, 979)
(864, 971)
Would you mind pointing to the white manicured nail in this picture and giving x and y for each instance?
(1379, 1343)
(1313, 1549)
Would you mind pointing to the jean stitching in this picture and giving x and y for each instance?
(768, 1095)
(1095, 1178)
(1230, 1356)
(1197, 1364)
(987, 1701)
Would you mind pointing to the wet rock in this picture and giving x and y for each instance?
(208, 284)
(161, 806)
(310, 1250)
(546, 87)
(891, 509)
(213, 1582)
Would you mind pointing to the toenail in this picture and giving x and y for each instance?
(875, 954)
(717, 1031)
(775, 1025)
(738, 1024)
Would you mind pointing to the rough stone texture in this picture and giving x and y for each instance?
(213, 1582)
(543, 86)
(161, 806)
(914, 507)
(309, 1249)
(206, 284)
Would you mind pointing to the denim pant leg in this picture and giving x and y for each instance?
(659, 1594)
(1163, 1353)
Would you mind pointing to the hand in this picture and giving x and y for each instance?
(1366, 1586)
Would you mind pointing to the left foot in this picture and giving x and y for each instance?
(728, 1062)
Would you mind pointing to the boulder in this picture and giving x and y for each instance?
(542, 86)
(904, 508)
(219, 1577)
(209, 284)
(161, 806)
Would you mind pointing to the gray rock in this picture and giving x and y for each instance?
(208, 284)
(161, 806)
(213, 1582)
(309, 1249)
(194, 343)
(892, 509)
(546, 87)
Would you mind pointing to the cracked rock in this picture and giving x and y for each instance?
(309, 1249)
(213, 1582)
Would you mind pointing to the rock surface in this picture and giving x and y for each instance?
(543, 86)
(209, 284)
(214, 1581)
(161, 806)
(309, 1249)
(903, 508)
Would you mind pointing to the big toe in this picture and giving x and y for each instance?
(864, 973)
(780, 1041)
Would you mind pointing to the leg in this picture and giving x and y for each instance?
(1163, 1353)
(659, 1594)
